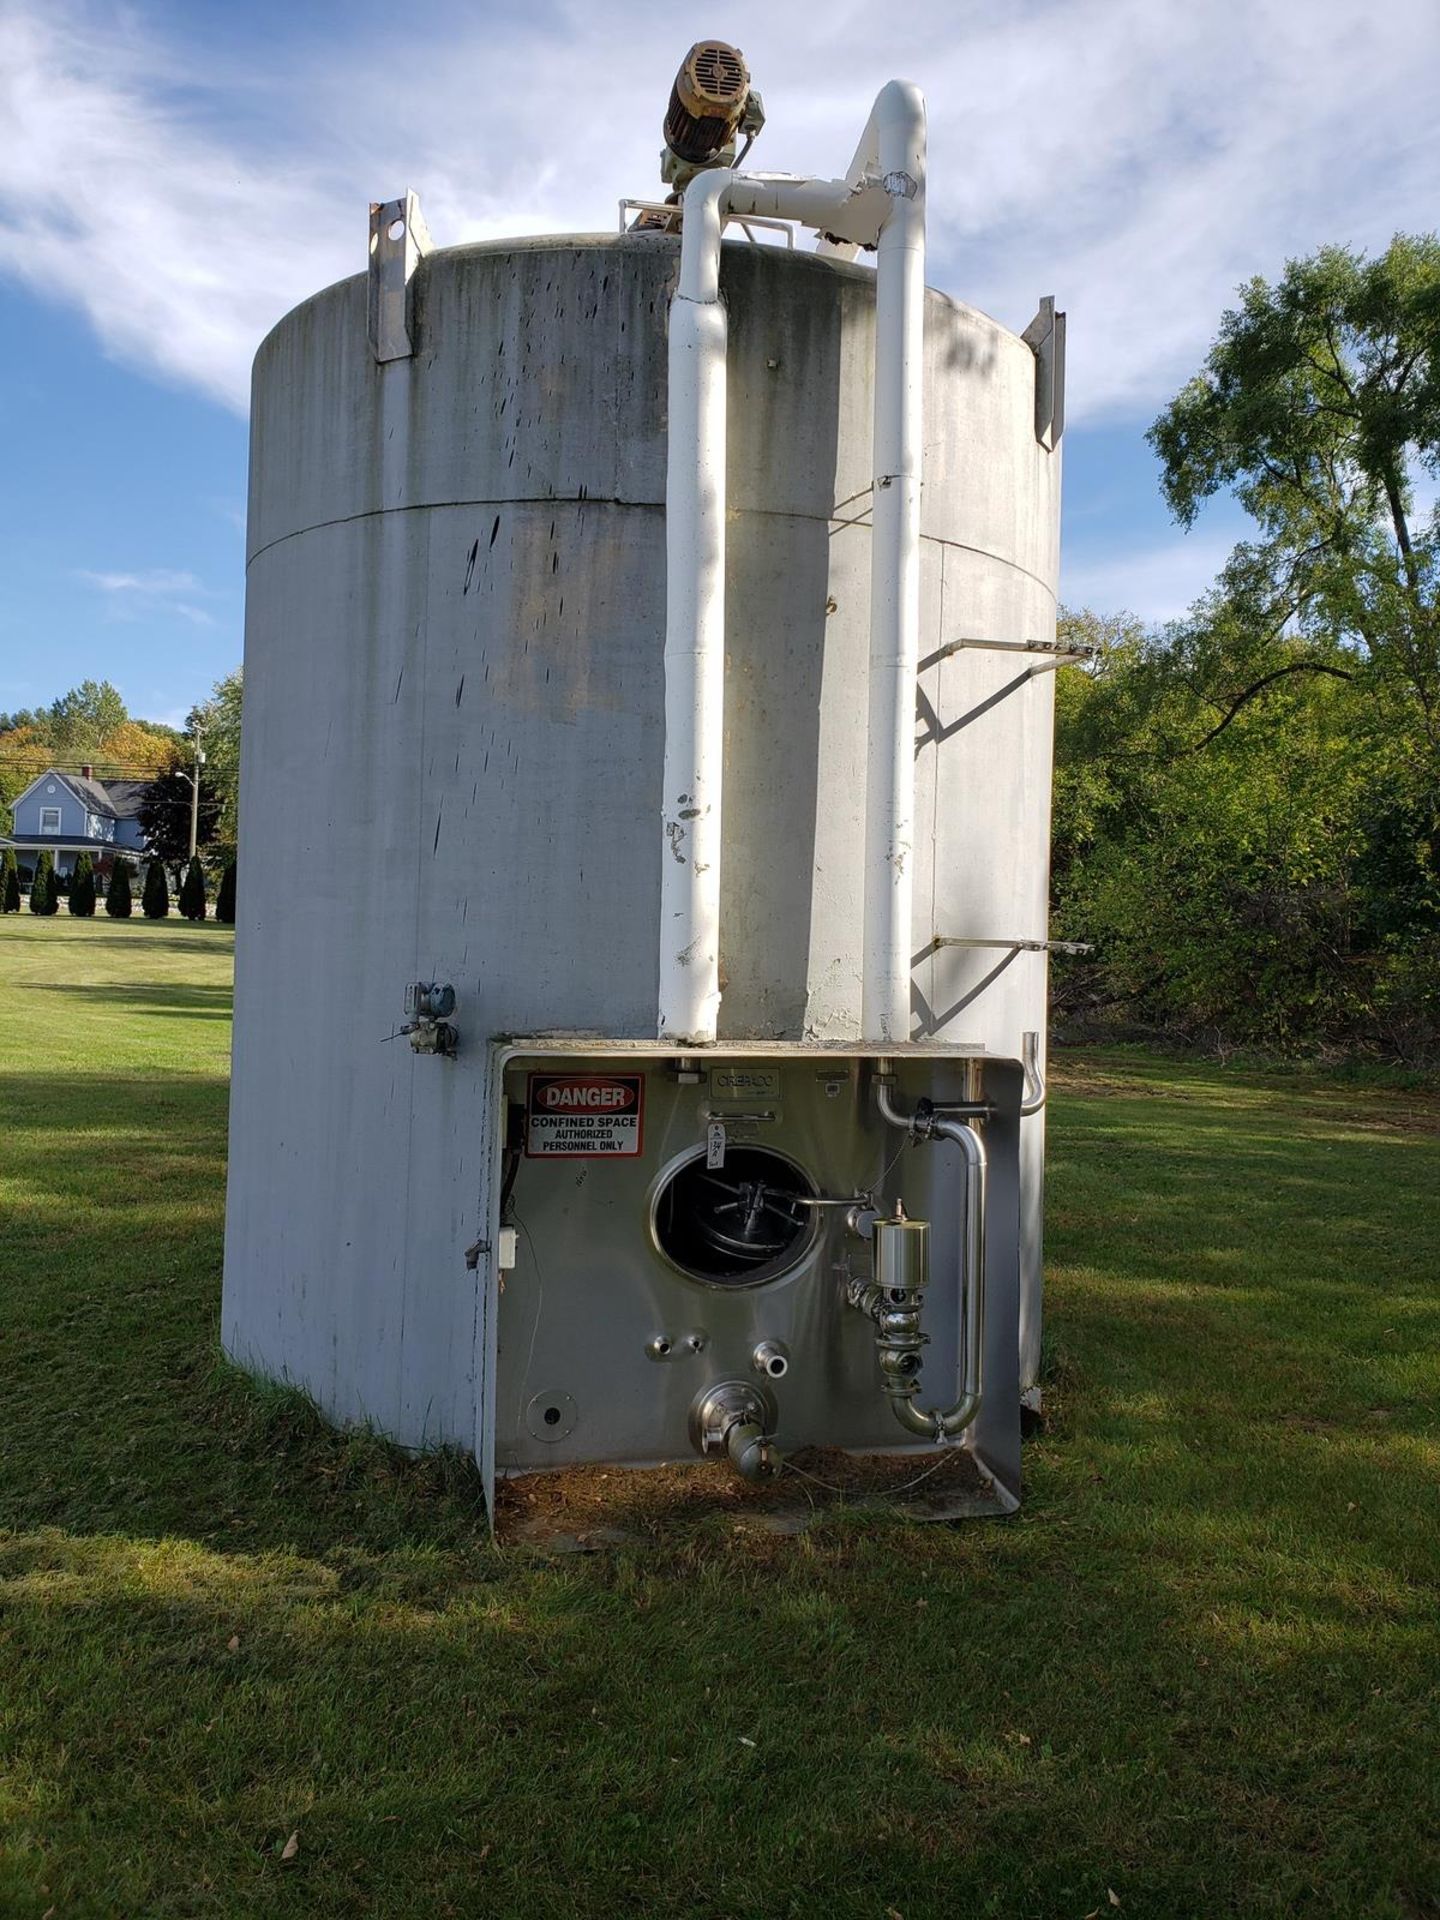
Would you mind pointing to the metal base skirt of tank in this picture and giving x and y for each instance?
(665, 1226)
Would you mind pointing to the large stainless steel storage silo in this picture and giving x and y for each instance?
(456, 736)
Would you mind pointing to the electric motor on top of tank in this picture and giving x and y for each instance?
(711, 103)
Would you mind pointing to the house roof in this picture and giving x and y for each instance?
(111, 799)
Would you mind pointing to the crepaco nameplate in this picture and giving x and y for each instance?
(745, 1086)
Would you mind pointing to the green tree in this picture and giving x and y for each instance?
(24, 754)
(219, 721)
(155, 900)
(1247, 866)
(82, 888)
(43, 897)
(192, 892)
(9, 883)
(83, 717)
(225, 898)
(119, 903)
(165, 815)
(1318, 406)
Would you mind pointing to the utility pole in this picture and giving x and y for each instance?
(195, 792)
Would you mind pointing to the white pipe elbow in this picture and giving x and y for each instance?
(700, 231)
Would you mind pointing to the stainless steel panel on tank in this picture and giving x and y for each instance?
(604, 1343)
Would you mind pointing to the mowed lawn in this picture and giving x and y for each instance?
(250, 1668)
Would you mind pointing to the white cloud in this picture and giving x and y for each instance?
(1142, 160)
(1136, 157)
(1157, 583)
(133, 596)
(158, 582)
(122, 202)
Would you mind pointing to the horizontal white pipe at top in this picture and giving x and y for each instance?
(881, 203)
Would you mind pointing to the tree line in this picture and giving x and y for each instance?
(78, 890)
(1247, 810)
(90, 726)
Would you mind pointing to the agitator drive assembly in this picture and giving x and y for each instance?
(649, 657)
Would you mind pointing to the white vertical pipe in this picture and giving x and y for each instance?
(899, 127)
(695, 571)
(694, 629)
(695, 597)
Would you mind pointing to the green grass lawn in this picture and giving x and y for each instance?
(1197, 1675)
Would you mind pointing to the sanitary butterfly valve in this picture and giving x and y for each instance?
(736, 1418)
(895, 1298)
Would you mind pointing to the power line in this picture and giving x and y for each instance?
(100, 769)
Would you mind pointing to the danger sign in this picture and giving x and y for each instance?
(571, 1115)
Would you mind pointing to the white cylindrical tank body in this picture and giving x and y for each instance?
(453, 736)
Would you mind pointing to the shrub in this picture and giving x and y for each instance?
(118, 901)
(9, 883)
(82, 888)
(225, 898)
(155, 900)
(192, 892)
(42, 891)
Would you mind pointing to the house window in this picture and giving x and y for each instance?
(49, 819)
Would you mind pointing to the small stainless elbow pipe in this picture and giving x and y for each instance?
(902, 1388)
(954, 1420)
(1035, 1089)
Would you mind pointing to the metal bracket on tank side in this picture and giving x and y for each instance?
(1053, 653)
(1045, 337)
(1015, 946)
(399, 241)
(1044, 656)
(1009, 952)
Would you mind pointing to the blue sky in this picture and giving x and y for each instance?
(176, 174)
